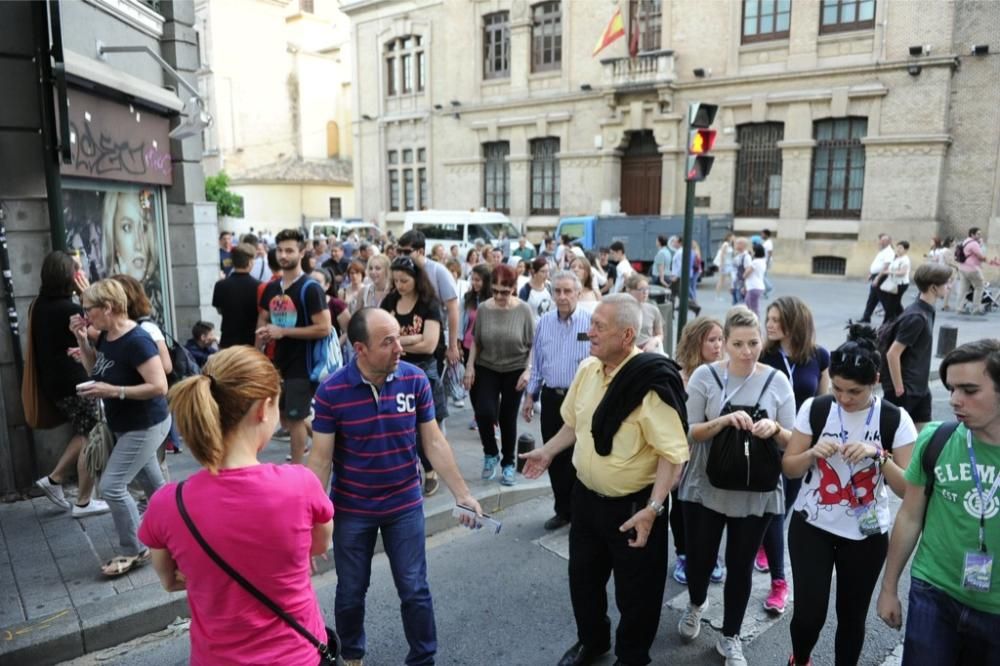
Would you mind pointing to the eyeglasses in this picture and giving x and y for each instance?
(501, 291)
(405, 251)
(403, 263)
(88, 308)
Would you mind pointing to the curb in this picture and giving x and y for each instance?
(73, 632)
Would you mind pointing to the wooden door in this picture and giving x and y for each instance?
(642, 172)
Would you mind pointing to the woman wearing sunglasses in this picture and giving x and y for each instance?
(416, 308)
(847, 446)
(498, 367)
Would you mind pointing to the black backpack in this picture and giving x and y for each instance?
(933, 452)
(737, 459)
(888, 420)
(183, 361)
(960, 253)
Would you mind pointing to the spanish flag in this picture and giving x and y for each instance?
(615, 29)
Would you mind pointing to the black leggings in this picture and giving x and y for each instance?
(677, 523)
(496, 400)
(704, 534)
(814, 554)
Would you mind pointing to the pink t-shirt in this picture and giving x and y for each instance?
(973, 255)
(258, 519)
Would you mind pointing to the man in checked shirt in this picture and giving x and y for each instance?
(560, 345)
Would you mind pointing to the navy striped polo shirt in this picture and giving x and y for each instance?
(375, 463)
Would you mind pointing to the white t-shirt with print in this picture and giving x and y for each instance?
(756, 279)
(153, 330)
(540, 302)
(824, 500)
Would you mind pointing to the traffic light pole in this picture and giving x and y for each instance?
(686, 258)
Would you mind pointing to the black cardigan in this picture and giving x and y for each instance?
(645, 372)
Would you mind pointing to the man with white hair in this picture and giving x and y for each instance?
(626, 415)
(560, 346)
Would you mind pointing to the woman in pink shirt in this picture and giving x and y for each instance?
(265, 521)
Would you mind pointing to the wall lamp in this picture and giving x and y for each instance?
(920, 50)
(914, 70)
(701, 72)
(455, 102)
(437, 107)
(980, 49)
(586, 87)
(365, 116)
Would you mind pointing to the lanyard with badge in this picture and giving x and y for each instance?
(790, 367)
(978, 570)
(867, 514)
(726, 396)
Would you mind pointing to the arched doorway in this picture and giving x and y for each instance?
(642, 172)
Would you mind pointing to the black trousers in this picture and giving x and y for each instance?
(743, 537)
(892, 304)
(677, 523)
(562, 474)
(815, 553)
(873, 296)
(596, 549)
(496, 400)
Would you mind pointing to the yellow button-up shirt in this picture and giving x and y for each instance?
(651, 431)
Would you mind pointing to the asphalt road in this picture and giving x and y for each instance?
(504, 599)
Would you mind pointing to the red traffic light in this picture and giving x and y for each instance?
(698, 167)
(700, 141)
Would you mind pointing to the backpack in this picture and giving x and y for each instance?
(933, 451)
(885, 336)
(888, 420)
(183, 362)
(960, 253)
(323, 356)
(738, 460)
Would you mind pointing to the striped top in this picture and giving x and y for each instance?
(559, 348)
(375, 438)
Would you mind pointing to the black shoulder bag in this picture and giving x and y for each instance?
(329, 651)
(737, 460)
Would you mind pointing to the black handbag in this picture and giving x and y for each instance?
(329, 651)
(737, 460)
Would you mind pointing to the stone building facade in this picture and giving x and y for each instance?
(838, 120)
(70, 187)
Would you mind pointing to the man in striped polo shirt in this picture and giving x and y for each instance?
(367, 417)
(560, 345)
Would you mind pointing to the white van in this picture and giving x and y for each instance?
(460, 227)
(341, 229)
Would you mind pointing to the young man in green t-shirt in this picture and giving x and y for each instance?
(954, 610)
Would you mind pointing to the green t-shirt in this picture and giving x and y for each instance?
(952, 525)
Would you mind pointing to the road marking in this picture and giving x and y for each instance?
(42, 624)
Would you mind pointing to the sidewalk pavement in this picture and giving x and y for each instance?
(55, 605)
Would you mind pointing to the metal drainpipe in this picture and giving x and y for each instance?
(46, 15)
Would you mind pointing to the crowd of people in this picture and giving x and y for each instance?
(754, 431)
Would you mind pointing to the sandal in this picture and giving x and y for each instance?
(122, 564)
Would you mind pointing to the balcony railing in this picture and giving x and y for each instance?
(643, 70)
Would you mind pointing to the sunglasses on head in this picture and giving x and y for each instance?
(841, 359)
(403, 263)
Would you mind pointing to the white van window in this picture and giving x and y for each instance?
(445, 232)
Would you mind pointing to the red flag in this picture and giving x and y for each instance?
(633, 42)
(615, 29)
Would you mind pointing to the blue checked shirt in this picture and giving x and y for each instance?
(559, 348)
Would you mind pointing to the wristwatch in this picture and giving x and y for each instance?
(656, 506)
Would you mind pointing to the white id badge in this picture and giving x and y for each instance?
(868, 521)
(978, 571)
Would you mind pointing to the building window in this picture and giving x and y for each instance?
(844, 15)
(336, 212)
(838, 169)
(766, 19)
(405, 65)
(546, 37)
(496, 181)
(758, 170)
(407, 170)
(496, 45)
(544, 177)
(646, 18)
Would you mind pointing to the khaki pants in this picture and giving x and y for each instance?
(974, 280)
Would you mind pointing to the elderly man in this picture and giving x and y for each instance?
(560, 345)
(371, 446)
(625, 413)
(877, 274)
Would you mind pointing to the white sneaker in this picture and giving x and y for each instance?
(95, 507)
(53, 492)
(731, 648)
(690, 625)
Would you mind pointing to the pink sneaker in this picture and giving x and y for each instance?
(775, 601)
(760, 562)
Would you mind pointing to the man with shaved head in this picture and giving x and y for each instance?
(368, 414)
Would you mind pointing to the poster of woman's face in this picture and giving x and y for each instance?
(117, 231)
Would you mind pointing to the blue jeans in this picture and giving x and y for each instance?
(941, 631)
(353, 546)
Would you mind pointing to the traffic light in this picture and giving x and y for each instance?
(700, 141)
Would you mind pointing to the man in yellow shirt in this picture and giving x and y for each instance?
(626, 466)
